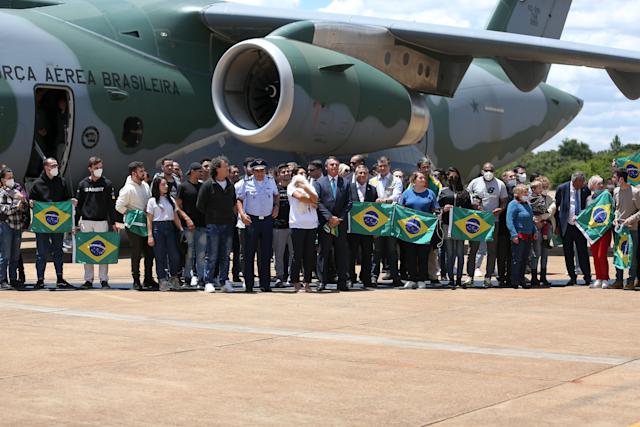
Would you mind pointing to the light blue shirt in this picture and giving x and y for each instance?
(257, 196)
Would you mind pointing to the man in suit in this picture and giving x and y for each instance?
(333, 208)
(571, 199)
(361, 191)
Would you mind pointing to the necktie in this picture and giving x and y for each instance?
(577, 196)
(333, 187)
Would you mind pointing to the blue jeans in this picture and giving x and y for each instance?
(166, 249)
(520, 252)
(49, 243)
(196, 252)
(10, 251)
(219, 240)
(455, 251)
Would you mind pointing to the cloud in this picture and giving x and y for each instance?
(610, 24)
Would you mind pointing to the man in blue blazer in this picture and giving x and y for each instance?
(333, 209)
(571, 199)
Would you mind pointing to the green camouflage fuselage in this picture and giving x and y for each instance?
(154, 60)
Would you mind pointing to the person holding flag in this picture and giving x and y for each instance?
(523, 233)
(49, 187)
(95, 213)
(418, 197)
(492, 196)
(434, 183)
(132, 202)
(595, 223)
(453, 196)
(361, 244)
(627, 214)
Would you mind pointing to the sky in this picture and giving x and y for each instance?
(612, 23)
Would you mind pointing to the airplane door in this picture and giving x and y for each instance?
(53, 128)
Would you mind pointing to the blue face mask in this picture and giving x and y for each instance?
(598, 192)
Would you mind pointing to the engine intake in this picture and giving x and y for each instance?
(292, 96)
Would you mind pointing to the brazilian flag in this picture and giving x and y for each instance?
(434, 185)
(632, 165)
(413, 226)
(372, 219)
(597, 218)
(467, 224)
(622, 248)
(96, 248)
(136, 221)
(52, 217)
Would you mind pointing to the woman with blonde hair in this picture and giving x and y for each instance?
(523, 233)
(600, 248)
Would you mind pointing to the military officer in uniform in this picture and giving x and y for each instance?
(258, 201)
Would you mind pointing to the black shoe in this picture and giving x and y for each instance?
(236, 279)
(39, 284)
(63, 284)
(104, 285)
(249, 290)
(435, 282)
(453, 285)
(320, 288)
(151, 285)
(343, 289)
(266, 289)
(16, 284)
(526, 286)
(398, 283)
(571, 282)
(137, 286)
(87, 285)
(5, 285)
(535, 283)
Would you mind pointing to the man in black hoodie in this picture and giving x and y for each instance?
(49, 187)
(95, 213)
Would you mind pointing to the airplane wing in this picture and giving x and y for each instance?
(525, 59)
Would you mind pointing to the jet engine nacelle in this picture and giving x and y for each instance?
(293, 96)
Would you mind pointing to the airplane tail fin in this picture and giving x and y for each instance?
(540, 18)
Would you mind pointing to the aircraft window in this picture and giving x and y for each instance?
(427, 73)
(405, 59)
(420, 69)
(135, 34)
(387, 58)
(132, 132)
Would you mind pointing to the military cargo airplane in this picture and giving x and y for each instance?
(146, 79)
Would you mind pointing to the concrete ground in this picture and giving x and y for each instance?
(560, 356)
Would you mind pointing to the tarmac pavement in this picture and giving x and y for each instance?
(559, 356)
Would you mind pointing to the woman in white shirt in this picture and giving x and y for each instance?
(303, 222)
(163, 221)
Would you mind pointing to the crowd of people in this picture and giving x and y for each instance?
(192, 226)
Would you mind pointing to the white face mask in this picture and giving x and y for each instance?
(524, 199)
(54, 172)
(522, 177)
(98, 173)
(10, 183)
(512, 183)
(488, 176)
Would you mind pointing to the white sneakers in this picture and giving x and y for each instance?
(210, 288)
(596, 284)
(422, 285)
(194, 282)
(410, 285)
(228, 287)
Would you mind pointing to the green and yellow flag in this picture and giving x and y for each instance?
(136, 221)
(632, 165)
(413, 226)
(596, 220)
(52, 217)
(467, 224)
(96, 248)
(434, 185)
(372, 219)
(622, 248)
